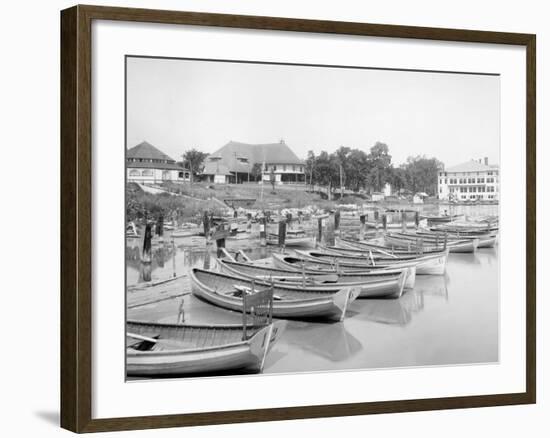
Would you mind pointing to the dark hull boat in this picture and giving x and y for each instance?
(155, 349)
(289, 301)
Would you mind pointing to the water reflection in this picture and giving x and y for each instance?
(330, 341)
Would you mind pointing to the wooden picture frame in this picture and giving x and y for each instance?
(76, 217)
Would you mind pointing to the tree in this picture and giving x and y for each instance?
(421, 174)
(380, 166)
(256, 171)
(194, 159)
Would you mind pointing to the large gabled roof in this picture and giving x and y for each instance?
(147, 151)
(471, 166)
(240, 157)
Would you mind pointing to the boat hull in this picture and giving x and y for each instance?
(216, 288)
(247, 355)
(462, 246)
(374, 287)
(283, 261)
(433, 264)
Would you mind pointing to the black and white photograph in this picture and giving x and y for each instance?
(293, 218)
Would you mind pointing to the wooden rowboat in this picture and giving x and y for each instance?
(155, 349)
(366, 245)
(431, 264)
(486, 240)
(442, 219)
(406, 241)
(389, 285)
(290, 301)
(293, 238)
(296, 264)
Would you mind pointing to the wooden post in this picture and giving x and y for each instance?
(206, 264)
(329, 235)
(146, 253)
(445, 242)
(173, 258)
(220, 243)
(362, 221)
(282, 233)
(403, 221)
(385, 222)
(337, 224)
(206, 226)
(160, 226)
(249, 223)
(416, 219)
(263, 241)
(376, 215)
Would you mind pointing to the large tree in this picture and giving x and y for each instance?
(422, 173)
(194, 161)
(380, 166)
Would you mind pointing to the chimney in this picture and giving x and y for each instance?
(486, 161)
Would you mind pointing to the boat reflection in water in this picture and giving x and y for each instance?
(329, 341)
(400, 311)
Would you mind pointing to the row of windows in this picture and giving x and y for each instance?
(467, 174)
(472, 189)
(147, 160)
(150, 173)
(466, 180)
(476, 197)
(283, 167)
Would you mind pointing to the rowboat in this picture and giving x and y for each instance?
(486, 239)
(431, 264)
(388, 285)
(366, 245)
(290, 302)
(442, 218)
(296, 264)
(376, 255)
(293, 238)
(185, 232)
(156, 349)
(390, 225)
(409, 241)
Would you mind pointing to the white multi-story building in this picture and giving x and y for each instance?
(470, 181)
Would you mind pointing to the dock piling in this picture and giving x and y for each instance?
(146, 252)
(263, 241)
(282, 233)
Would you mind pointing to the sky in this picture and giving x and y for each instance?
(177, 105)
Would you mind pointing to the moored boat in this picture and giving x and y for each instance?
(293, 238)
(157, 349)
(370, 286)
(422, 244)
(431, 264)
(297, 264)
(289, 301)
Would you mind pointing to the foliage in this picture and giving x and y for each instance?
(371, 171)
(256, 171)
(194, 161)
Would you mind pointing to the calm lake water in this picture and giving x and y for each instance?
(451, 319)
